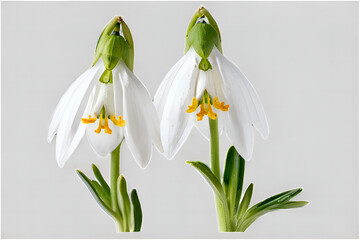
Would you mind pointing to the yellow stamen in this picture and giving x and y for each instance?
(209, 110)
(221, 106)
(118, 122)
(210, 113)
(202, 112)
(104, 125)
(98, 130)
(206, 108)
(104, 121)
(88, 120)
(193, 106)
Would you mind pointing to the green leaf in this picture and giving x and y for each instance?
(233, 179)
(270, 204)
(292, 204)
(245, 202)
(100, 178)
(137, 213)
(274, 200)
(95, 194)
(212, 180)
(124, 203)
(104, 196)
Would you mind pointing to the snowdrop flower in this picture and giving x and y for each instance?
(206, 82)
(107, 102)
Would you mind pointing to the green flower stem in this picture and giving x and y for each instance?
(214, 146)
(215, 167)
(114, 175)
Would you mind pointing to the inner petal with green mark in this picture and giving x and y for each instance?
(102, 106)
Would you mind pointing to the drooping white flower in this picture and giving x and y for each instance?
(107, 102)
(204, 80)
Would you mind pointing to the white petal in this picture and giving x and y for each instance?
(243, 94)
(141, 120)
(70, 122)
(163, 90)
(201, 84)
(81, 130)
(240, 134)
(118, 93)
(103, 143)
(214, 81)
(104, 96)
(176, 123)
(63, 103)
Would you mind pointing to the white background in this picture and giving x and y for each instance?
(302, 58)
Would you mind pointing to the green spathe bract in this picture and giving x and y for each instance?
(112, 46)
(113, 50)
(202, 12)
(203, 36)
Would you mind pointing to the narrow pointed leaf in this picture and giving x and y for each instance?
(124, 203)
(288, 205)
(94, 193)
(102, 193)
(214, 183)
(293, 204)
(100, 178)
(212, 180)
(274, 201)
(233, 179)
(270, 204)
(245, 223)
(245, 202)
(137, 213)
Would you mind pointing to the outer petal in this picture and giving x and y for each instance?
(240, 134)
(163, 91)
(176, 123)
(245, 110)
(103, 143)
(70, 122)
(141, 120)
(81, 130)
(63, 103)
(242, 89)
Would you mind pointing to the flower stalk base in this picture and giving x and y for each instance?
(235, 215)
(114, 199)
